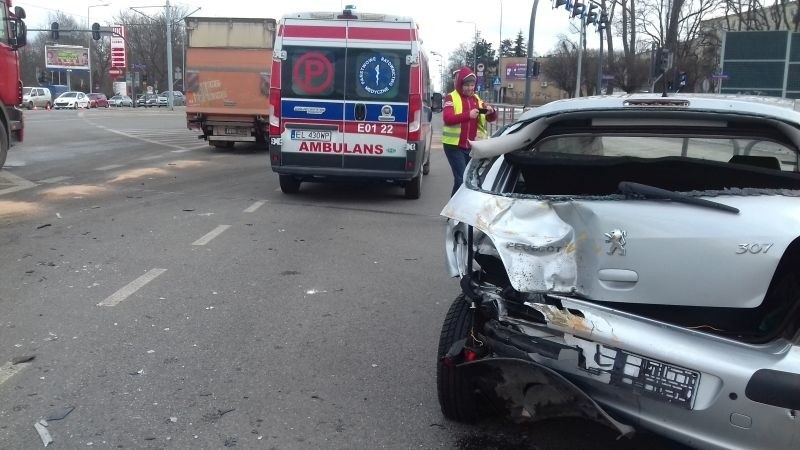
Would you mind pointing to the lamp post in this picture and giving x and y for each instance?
(475, 51)
(440, 58)
(529, 59)
(88, 25)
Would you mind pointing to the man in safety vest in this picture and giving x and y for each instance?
(465, 116)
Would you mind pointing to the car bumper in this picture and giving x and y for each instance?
(699, 389)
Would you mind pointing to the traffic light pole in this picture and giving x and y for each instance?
(580, 58)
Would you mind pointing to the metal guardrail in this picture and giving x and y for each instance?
(506, 114)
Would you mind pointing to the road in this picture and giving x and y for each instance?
(174, 297)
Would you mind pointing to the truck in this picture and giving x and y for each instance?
(227, 78)
(13, 35)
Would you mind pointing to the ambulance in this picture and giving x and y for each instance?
(350, 98)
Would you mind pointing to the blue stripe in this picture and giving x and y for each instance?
(312, 109)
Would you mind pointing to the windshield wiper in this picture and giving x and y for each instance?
(642, 190)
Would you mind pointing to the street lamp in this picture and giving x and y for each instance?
(88, 10)
(475, 52)
(440, 58)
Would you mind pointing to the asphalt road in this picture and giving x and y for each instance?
(174, 297)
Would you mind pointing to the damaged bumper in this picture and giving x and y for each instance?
(548, 355)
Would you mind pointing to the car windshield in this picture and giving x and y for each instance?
(69, 94)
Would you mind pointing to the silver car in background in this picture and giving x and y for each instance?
(634, 260)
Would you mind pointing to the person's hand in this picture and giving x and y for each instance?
(473, 113)
(490, 109)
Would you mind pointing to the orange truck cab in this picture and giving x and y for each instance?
(350, 98)
(13, 35)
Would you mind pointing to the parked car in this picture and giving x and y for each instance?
(98, 100)
(36, 97)
(120, 100)
(177, 99)
(72, 100)
(633, 260)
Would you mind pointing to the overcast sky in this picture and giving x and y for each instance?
(436, 18)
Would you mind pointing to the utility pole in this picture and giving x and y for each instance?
(170, 80)
(529, 61)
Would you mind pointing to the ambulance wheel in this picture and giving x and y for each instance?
(289, 184)
(414, 187)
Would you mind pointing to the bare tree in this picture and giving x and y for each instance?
(560, 66)
(755, 15)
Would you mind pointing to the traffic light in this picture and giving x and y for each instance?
(591, 15)
(96, 31)
(54, 31)
(577, 9)
(602, 22)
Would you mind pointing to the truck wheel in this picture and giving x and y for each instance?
(289, 184)
(414, 187)
(457, 398)
(3, 145)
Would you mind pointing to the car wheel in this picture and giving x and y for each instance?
(48, 106)
(30, 105)
(414, 187)
(289, 184)
(457, 398)
(76, 106)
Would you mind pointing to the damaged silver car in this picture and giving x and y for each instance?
(634, 260)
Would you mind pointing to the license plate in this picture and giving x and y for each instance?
(236, 131)
(311, 135)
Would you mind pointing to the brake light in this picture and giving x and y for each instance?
(414, 117)
(274, 112)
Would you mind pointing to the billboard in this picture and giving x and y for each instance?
(516, 71)
(66, 57)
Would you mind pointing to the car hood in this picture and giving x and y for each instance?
(637, 251)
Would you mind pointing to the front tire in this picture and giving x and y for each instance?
(456, 394)
(289, 184)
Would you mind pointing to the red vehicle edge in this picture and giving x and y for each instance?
(11, 120)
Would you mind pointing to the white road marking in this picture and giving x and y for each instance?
(214, 233)
(254, 207)
(131, 287)
(184, 150)
(148, 158)
(110, 167)
(54, 180)
(21, 183)
(8, 370)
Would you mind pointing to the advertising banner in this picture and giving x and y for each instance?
(516, 71)
(66, 57)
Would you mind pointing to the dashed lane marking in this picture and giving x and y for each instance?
(131, 287)
(254, 207)
(110, 167)
(208, 237)
(8, 370)
(54, 180)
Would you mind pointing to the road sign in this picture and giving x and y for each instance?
(496, 81)
(480, 67)
(720, 76)
(608, 77)
(114, 72)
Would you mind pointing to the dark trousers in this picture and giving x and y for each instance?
(458, 158)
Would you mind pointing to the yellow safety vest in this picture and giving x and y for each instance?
(451, 134)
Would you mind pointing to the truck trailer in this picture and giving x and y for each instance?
(227, 77)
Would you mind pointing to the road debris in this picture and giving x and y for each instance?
(44, 435)
(44, 226)
(60, 413)
(22, 359)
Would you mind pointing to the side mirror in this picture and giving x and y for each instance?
(436, 102)
(19, 32)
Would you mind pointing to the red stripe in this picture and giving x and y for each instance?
(415, 78)
(381, 34)
(314, 31)
(275, 77)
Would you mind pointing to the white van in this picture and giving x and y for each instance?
(36, 97)
(350, 97)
